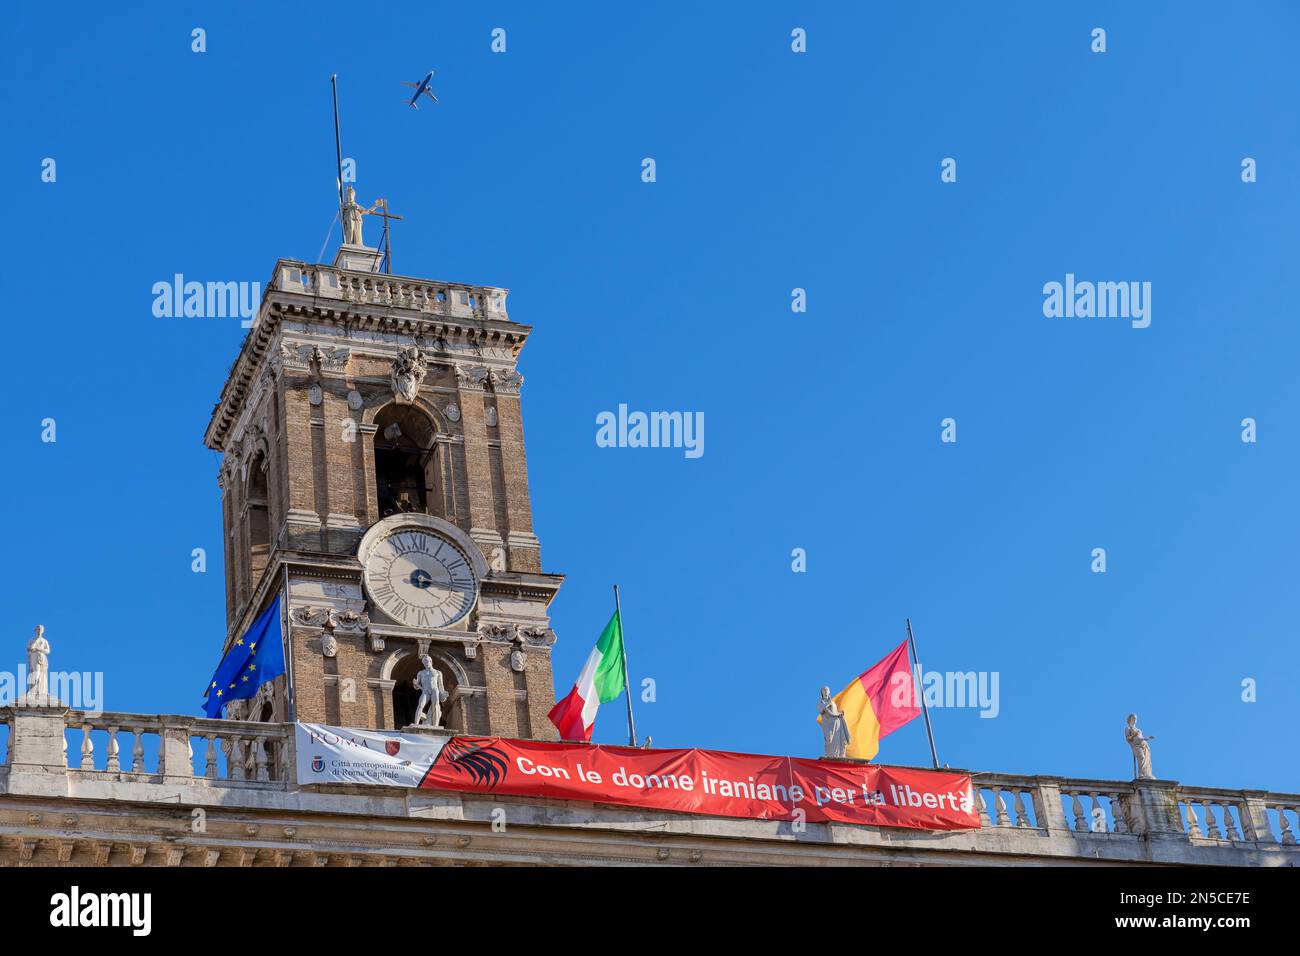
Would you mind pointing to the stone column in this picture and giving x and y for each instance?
(500, 680)
(228, 548)
(308, 674)
(38, 737)
(1047, 804)
(1254, 817)
(302, 518)
(522, 545)
(541, 693)
(342, 520)
(1155, 810)
(367, 511)
(175, 758)
(478, 466)
(353, 662)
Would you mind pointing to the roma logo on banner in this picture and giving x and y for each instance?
(710, 782)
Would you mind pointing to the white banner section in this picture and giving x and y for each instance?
(343, 755)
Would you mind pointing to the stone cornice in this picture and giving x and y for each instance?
(448, 319)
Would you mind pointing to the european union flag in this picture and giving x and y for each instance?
(256, 657)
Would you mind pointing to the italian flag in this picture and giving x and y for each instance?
(600, 682)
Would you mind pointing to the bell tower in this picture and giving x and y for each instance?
(373, 471)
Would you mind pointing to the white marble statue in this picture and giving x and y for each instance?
(38, 665)
(1141, 750)
(352, 213)
(835, 730)
(429, 683)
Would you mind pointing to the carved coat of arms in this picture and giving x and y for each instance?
(409, 369)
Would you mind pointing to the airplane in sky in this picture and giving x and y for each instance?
(421, 87)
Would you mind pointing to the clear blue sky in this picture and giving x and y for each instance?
(775, 171)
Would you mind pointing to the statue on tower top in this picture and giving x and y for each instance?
(351, 215)
(38, 670)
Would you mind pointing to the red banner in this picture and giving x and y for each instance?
(709, 782)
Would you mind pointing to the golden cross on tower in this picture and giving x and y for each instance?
(380, 208)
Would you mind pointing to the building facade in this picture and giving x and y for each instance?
(373, 469)
(148, 790)
(373, 472)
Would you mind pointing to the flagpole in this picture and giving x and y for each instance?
(338, 147)
(916, 658)
(288, 649)
(627, 689)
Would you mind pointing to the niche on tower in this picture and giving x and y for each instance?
(258, 520)
(406, 466)
(405, 696)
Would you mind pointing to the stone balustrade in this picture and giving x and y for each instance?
(1216, 816)
(438, 299)
(233, 751)
(70, 757)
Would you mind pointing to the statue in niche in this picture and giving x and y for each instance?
(428, 711)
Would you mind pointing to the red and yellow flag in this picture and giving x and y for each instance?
(880, 701)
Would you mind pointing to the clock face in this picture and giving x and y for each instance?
(420, 579)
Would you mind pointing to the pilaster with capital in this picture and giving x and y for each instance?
(478, 461)
(522, 546)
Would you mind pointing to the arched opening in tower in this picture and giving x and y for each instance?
(405, 479)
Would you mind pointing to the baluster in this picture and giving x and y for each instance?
(65, 750)
(1022, 818)
(1080, 813)
(210, 768)
(87, 749)
(137, 751)
(1193, 824)
(259, 754)
(1288, 837)
(982, 805)
(1097, 817)
(1117, 812)
(1001, 804)
(1211, 824)
(113, 763)
(282, 748)
(235, 759)
(1230, 830)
